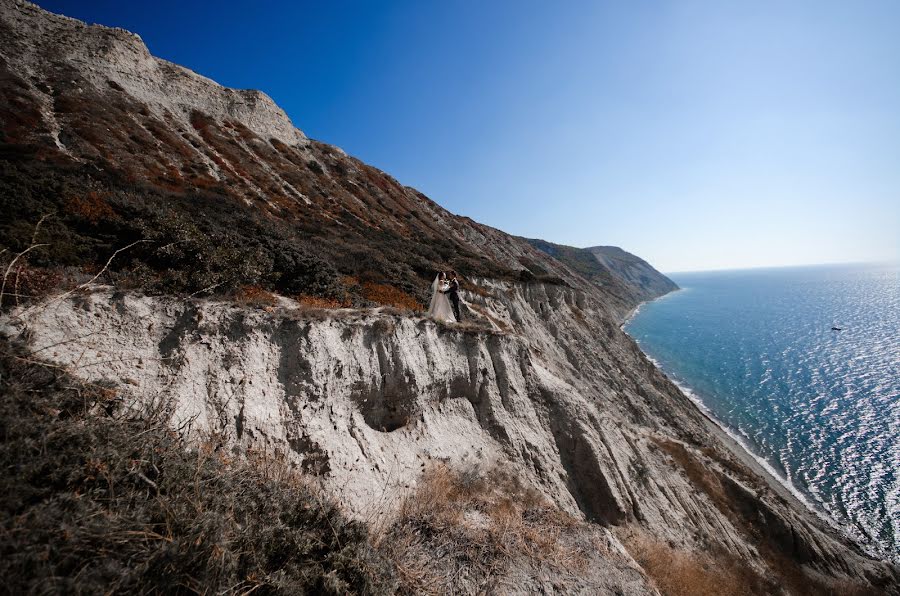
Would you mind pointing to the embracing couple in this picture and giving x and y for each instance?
(444, 295)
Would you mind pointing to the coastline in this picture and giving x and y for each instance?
(634, 311)
(780, 486)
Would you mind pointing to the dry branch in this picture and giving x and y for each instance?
(13, 262)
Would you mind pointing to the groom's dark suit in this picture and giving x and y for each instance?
(453, 294)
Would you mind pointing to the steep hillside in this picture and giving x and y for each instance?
(634, 270)
(618, 273)
(535, 449)
(367, 401)
(122, 146)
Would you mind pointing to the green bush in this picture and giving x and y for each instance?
(195, 260)
(298, 271)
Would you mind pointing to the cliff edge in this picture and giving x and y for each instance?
(183, 247)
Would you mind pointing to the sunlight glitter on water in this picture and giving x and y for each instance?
(757, 350)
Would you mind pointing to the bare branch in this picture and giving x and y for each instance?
(106, 266)
(83, 286)
(16, 286)
(37, 227)
(13, 262)
(63, 341)
(209, 288)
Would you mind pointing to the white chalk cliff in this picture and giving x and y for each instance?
(366, 398)
(101, 54)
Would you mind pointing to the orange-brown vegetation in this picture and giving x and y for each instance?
(25, 283)
(255, 296)
(390, 296)
(683, 573)
(319, 302)
(756, 524)
(91, 206)
(474, 523)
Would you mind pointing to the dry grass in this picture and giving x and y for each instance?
(733, 467)
(469, 286)
(469, 326)
(460, 530)
(319, 302)
(255, 296)
(578, 314)
(313, 308)
(684, 573)
(27, 284)
(703, 477)
(99, 499)
(394, 311)
(787, 571)
(390, 296)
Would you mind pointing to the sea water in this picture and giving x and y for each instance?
(820, 406)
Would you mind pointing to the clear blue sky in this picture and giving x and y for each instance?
(697, 134)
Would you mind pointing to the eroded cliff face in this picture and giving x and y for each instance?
(107, 56)
(544, 383)
(366, 399)
(87, 99)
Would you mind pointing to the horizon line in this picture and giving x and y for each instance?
(793, 266)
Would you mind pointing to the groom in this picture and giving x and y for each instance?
(452, 292)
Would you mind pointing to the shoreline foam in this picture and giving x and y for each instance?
(740, 449)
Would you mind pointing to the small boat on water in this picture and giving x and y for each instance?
(837, 329)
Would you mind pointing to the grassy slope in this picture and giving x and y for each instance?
(95, 499)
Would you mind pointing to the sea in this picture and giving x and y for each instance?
(802, 366)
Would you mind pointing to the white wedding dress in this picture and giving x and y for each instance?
(440, 309)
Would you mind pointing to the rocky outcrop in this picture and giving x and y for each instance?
(634, 271)
(90, 104)
(623, 277)
(36, 42)
(545, 383)
(366, 400)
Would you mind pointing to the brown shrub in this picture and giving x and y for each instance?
(472, 523)
(20, 113)
(579, 315)
(112, 501)
(788, 571)
(200, 121)
(684, 573)
(501, 325)
(25, 284)
(255, 296)
(384, 327)
(732, 466)
(318, 302)
(469, 286)
(390, 296)
(92, 207)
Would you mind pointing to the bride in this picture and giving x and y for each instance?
(440, 310)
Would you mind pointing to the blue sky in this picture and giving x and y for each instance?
(696, 134)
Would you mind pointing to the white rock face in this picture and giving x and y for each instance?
(365, 400)
(104, 54)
